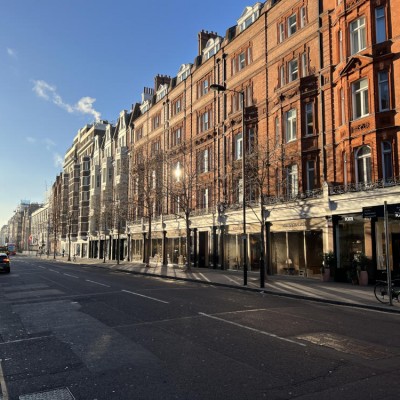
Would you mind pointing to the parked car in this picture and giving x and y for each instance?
(4, 262)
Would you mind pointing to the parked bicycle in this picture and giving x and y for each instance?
(382, 294)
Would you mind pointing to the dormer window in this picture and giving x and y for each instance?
(212, 47)
(184, 72)
(162, 92)
(144, 107)
(249, 15)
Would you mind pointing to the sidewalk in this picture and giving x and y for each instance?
(288, 286)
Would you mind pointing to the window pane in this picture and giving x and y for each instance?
(380, 24)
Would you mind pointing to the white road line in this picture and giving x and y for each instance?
(147, 297)
(72, 276)
(52, 270)
(39, 266)
(97, 283)
(253, 329)
(25, 340)
(4, 391)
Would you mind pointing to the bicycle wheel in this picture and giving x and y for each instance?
(381, 292)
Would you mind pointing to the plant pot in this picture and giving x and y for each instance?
(326, 275)
(363, 278)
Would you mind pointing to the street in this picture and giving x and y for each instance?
(81, 332)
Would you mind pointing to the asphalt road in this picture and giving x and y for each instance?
(69, 331)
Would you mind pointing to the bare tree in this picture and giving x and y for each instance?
(182, 183)
(146, 174)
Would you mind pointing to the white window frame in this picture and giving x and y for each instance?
(360, 98)
(342, 107)
(304, 64)
(291, 125)
(282, 75)
(293, 69)
(365, 160)
(303, 16)
(281, 32)
(239, 146)
(292, 180)
(358, 39)
(292, 24)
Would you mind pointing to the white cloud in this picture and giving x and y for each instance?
(11, 52)
(48, 143)
(30, 139)
(58, 160)
(49, 92)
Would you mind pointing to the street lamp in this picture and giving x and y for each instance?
(221, 88)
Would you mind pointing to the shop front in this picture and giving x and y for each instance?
(297, 247)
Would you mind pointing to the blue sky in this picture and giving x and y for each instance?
(65, 63)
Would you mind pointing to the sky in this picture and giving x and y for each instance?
(64, 64)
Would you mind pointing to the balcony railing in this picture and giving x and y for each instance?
(363, 187)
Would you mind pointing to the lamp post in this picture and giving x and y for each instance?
(69, 236)
(221, 88)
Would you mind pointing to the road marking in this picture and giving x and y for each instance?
(39, 266)
(97, 283)
(25, 340)
(52, 270)
(4, 391)
(253, 329)
(147, 297)
(72, 276)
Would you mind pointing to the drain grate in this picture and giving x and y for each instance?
(56, 394)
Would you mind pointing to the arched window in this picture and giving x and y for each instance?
(363, 165)
(387, 167)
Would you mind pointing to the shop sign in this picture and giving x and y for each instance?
(348, 219)
(372, 212)
(394, 210)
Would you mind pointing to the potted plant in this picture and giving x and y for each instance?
(361, 264)
(328, 262)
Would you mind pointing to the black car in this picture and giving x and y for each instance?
(4, 262)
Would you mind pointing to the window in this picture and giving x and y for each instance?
(291, 125)
(281, 32)
(240, 61)
(310, 169)
(203, 87)
(237, 101)
(342, 107)
(360, 98)
(303, 17)
(293, 70)
(205, 121)
(387, 167)
(156, 121)
(176, 137)
(86, 165)
(292, 24)
(292, 181)
(139, 133)
(177, 106)
(282, 74)
(238, 146)
(277, 131)
(380, 25)
(340, 41)
(357, 35)
(309, 119)
(203, 161)
(104, 175)
(304, 65)
(203, 197)
(383, 90)
(363, 165)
